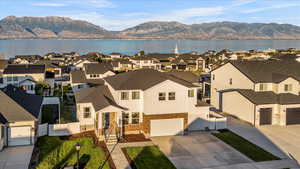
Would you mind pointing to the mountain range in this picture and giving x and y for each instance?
(12, 27)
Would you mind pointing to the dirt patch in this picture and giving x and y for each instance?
(129, 138)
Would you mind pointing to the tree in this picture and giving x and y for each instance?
(40, 87)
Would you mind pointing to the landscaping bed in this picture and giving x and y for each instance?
(148, 157)
(55, 153)
(128, 138)
(244, 146)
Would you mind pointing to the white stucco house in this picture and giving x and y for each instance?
(142, 101)
(259, 92)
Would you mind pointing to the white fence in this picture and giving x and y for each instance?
(59, 129)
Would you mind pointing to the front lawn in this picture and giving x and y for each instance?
(56, 153)
(244, 146)
(148, 157)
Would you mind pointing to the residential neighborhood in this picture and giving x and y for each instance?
(212, 109)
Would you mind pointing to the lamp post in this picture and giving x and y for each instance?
(77, 146)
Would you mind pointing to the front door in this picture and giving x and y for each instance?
(265, 116)
(106, 120)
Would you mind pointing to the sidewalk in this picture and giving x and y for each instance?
(118, 156)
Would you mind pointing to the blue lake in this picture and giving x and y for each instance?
(16, 47)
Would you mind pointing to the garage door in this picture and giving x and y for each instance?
(166, 127)
(292, 116)
(265, 116)
(19, 136)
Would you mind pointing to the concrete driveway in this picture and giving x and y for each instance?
(286, 137)
(198, 150)
(15, 157)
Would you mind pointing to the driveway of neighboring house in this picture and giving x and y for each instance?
(256, 136)
(198, 150)
(286, 137)
(15, 157)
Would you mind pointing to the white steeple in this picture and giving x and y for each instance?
(176, 49)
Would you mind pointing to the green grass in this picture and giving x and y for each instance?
(55, 153)
(149, 157)
(244, 146)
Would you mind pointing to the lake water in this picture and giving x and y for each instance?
(17, 47)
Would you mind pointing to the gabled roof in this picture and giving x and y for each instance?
(17, 105)
(24, 69)
(97, 68)
(268, 97)
(99, 96)
(270, 71)
(187, 76)
(142, 79)
(78, 76)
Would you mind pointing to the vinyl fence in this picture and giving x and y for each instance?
(59, 129)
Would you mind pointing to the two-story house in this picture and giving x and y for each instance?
(24, 76)
(142, 62)
(91, 75)
(259, 92)
(141, 101)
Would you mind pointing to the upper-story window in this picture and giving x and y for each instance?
(161, 96)
(230, 81)
(9, 78)
(171, 95)
(124, 96)
(288, 87)
(87, 112)
(263, 86)
(191, 93)
(135, 95)
(213, 77)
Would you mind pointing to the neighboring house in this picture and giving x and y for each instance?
(20, 114)
(142, 101)
(78, 65)
(260, 92)
(188, 62)
(26, 59)
(164, 59)
(3, 64)
(52, 67)
(98, 70)
(115, 55)
(206, 85)
(24, 76)
(78, 80)
(121, 65)
(142, 62)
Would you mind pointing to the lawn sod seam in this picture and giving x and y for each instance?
(147, 157)
(242, 145)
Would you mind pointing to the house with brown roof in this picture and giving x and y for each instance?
(142, 101)
(259, 92)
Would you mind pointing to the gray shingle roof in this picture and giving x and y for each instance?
(188, 76)
(23, 69)
(268, 97)
(268, 71)
(97, 68)
(99, 96)
(78, 76)
(142, 79)
(16, 105)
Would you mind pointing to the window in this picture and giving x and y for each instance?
(135, 118)
(263, 86)
(124, 96)
(135, 95)
(171, 95)
(288, 87)
(9, 78)
(230, 81)
(87, 113)
(15, 78)
(2, 131)
(125, 118)
(161, 96)
(191, 93)
(213, 77)
(91, 76)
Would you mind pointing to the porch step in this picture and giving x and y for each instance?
(112, 139)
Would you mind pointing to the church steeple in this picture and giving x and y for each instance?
(176, 49)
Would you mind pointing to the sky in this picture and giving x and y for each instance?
(122, 14)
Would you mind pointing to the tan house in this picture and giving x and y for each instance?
(19, 117)
(260, 92)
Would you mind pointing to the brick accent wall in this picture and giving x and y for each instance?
(148, 118)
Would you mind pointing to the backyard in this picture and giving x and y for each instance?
(55, 153)
(148, 157)
(244, 146)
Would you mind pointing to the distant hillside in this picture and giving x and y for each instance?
(66, 28)
(49, 27)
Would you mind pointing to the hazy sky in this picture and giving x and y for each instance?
(121, 14)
